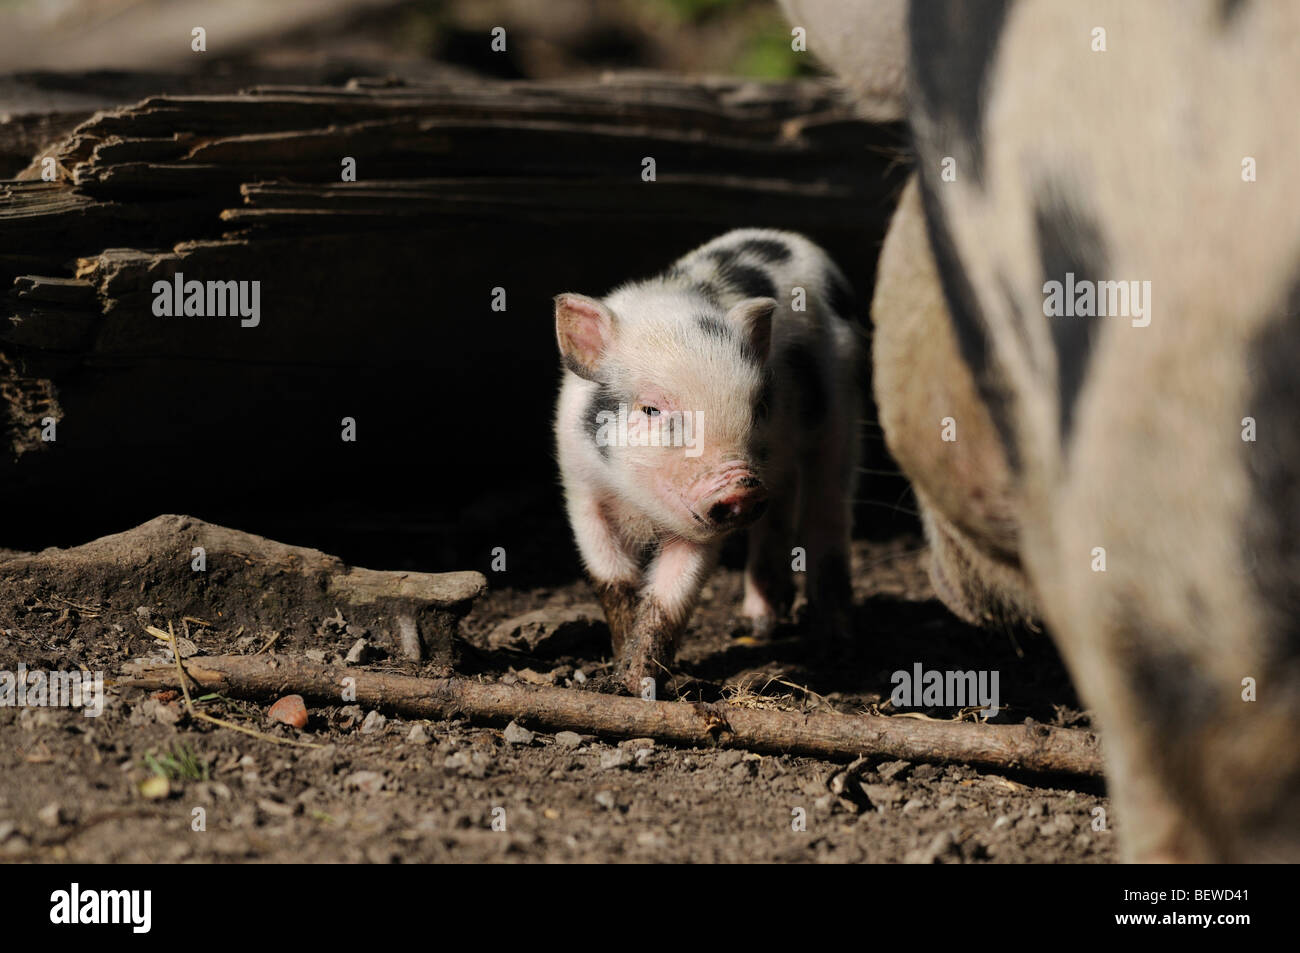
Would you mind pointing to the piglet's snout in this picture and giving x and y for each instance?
(735, 503)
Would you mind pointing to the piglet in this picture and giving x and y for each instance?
(720, 395)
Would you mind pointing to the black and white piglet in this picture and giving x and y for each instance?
(720, 394)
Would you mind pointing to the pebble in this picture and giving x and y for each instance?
(418, 735)
(618, 758)
(357, 653)
(165, 713)
(290, 710)
(51, 815)
(516, 734)
(730, 758)
(941, 846)
(374, 722)
(275, 808)
(893, 770)
(155, 788)
(471, 765)
(207, 791)
(568, 739)
(607, 800)
(367, 782)
(882, 795)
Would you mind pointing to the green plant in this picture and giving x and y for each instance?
(181, 763)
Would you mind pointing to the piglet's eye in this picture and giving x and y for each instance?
(650, 411)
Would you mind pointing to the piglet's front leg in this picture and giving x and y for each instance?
(611, 561)
(671, 588)
(620, 601)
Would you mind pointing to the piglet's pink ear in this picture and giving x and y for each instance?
(753, 317)
(585, 330)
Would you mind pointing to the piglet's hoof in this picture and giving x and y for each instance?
(645, 674)
(761, 628)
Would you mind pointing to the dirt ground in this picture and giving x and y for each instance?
(388, 790)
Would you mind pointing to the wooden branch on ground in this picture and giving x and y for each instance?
(1035, 748)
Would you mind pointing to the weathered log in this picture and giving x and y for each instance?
(1034, 748)
(180, 566)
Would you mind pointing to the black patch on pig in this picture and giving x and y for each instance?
(1170, 686)
(718, 329)
(710, 292)
(968, 322)
(751, 282)
(799, 364)
(571, 363)
(747, 280)
(1272, 532)
(602, 399)
(1174, 700)
(768, 249)
(715, 327)
(953, 46)
(1229, 10)
(1188, 722)
(1069, 240)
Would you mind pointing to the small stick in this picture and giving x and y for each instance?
(1036, 748)
(268, 644)
(182, 674)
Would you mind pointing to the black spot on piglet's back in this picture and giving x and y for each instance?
(767, 249)
(749, 281)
